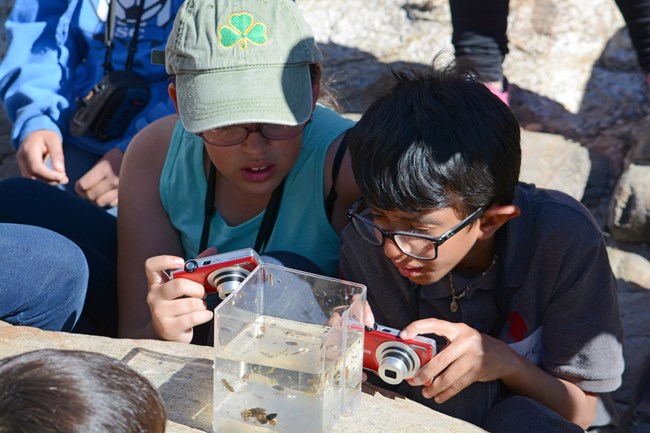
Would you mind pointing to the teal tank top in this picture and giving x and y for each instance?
(301, 225)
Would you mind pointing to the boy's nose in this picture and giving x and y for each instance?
(391, 250)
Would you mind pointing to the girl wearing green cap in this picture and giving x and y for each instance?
(250, 138)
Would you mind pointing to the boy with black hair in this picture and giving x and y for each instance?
(73, 391)
(513, 279)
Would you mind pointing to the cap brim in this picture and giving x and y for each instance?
(280, 95)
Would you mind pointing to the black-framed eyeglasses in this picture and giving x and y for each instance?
(416, 245)
(235, 134)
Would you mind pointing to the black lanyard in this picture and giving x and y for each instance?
(110, 32)
(268, 221)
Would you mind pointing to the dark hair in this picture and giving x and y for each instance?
(66, 391)
(438, 138)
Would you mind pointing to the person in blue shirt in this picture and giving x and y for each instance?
(56, 55)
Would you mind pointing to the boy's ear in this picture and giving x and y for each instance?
(495, 217)
(171, 89)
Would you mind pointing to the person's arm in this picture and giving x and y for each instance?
(581, 330)
(144, 229)
(36, 78)
(474, 357)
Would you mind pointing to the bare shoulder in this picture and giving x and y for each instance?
(143, 164)
(152, 142)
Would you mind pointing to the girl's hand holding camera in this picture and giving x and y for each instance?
(176, 305)
(468, 357)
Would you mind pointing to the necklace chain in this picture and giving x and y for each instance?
(453, 306)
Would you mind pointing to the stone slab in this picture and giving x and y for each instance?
(182, 374)
(552, 161)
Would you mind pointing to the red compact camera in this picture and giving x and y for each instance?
(392, 358)
(220, 273)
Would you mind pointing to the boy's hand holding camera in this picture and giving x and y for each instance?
(468, 357)
(176, 305)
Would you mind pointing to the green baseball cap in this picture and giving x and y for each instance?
(241, 61)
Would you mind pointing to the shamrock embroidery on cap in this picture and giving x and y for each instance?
(241, 30)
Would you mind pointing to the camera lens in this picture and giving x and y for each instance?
(396, 361)
(227, 280)
(396, 365)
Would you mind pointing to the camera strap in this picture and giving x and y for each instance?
(336, 165)
(268, 220)
(109, 33)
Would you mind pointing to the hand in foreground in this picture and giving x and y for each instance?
(176, 305)
(468, 357)
(34, 151)
(99, 184)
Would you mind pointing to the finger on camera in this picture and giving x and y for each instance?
(430, 326)
(421, 378)
(179, 307)
(369, 317)
(182, 288)
(156, 266)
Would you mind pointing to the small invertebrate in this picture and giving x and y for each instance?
(227, 385)
(258, 414)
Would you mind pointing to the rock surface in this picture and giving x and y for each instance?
(580, 97)
(183, 375)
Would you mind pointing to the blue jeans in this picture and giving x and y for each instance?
(44, 277)
(91, 228)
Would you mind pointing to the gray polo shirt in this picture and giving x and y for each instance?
(551, 295)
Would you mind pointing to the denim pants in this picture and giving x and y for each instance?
(94, 231)
(44, 277)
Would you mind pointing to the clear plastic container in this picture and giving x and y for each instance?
(289, 352)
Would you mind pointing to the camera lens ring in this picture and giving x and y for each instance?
(227, 280)
(397, 361)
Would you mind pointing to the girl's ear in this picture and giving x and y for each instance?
(495, 217)
(171, 89)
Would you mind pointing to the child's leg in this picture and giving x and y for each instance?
(479, 32)
(92, 229)
(637, 17)
(521, 414)
(44, 278)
